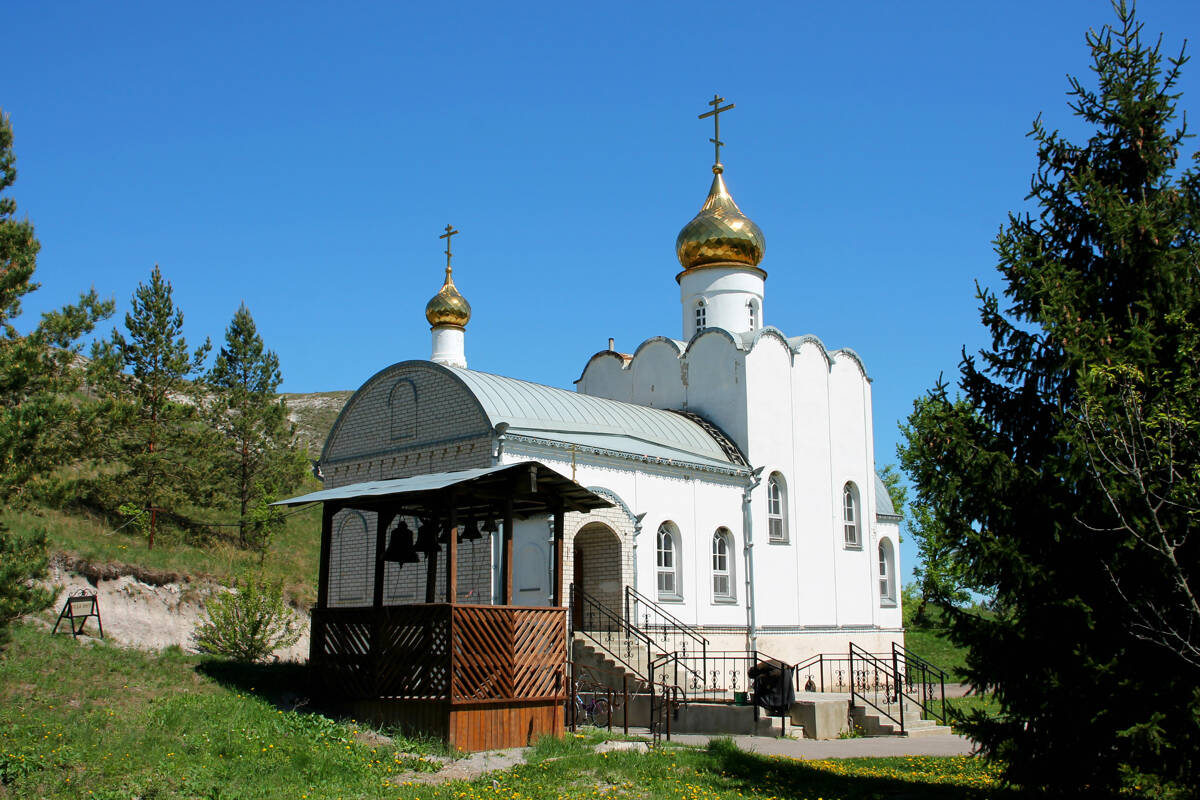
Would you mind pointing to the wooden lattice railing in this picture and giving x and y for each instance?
(441, 652)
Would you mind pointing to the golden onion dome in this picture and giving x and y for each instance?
(448, 306)
(720, 233)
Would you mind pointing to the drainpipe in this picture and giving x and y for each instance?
(499, 431)
(637, 530)
(748, 548)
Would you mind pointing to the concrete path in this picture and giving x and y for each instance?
(949, 744)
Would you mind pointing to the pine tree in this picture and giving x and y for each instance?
(1104, 277)
(256, 458)
(153, 419)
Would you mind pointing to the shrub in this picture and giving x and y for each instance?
(249, 622)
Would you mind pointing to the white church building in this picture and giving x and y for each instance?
(739, 461)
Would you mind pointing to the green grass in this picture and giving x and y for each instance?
(933, 645)
(91, 720)
(292, 558)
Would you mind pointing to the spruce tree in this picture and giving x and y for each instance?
(160, 444)
(256, 459)
(1102, 279)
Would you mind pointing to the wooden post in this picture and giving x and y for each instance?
(383, 519)
(452, 548)
(559, 555)
(506, 554)
(431, 560)
(327, 512)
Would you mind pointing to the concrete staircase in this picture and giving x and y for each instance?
(872, 723)
(606, 659)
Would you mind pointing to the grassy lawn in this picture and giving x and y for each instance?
(932, 645)
(90, 720)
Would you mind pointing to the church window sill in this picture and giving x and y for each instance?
(670, 598)
(887, 604)
(724, 601)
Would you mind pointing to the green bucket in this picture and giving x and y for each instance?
(741, 698)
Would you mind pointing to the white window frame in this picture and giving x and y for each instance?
(777, 516)
(667, 559)
(701, 315)
(887, 574)
(753, 307)
(851, 517)
(724, 589)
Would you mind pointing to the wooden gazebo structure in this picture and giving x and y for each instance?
(478, 676)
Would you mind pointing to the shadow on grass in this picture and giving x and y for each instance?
(284, 684)
(751, 772)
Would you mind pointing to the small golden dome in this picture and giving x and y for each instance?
(448, 306)
(720, 233)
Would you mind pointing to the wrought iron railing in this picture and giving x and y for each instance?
(611, 632)
(906, 675)
(668, 633)
(826, 672)
(679, 678)
(874, 683)
(922, 683)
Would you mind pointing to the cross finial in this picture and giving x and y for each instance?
(449, 232)
(716, 115)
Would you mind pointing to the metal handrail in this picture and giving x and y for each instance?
(600, 618)
(865, 684)
(923, 677)
(710, 677)
(834, 666)
(672, 633)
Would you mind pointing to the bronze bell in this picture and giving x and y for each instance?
(400, 549)
(427, 538)
(489, 525)
(471, 533)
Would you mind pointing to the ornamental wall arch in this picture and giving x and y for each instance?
(618, 519)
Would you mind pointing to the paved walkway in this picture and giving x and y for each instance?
(949, 744)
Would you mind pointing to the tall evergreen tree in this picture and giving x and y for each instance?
(257, 459)
(154, 425)
(1103, 277)
(39, 422)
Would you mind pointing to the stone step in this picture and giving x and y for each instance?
(932, 730)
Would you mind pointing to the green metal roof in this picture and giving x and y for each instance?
(544, 412)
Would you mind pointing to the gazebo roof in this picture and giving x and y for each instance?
(533, 487)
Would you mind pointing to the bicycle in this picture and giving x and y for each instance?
(592, 711)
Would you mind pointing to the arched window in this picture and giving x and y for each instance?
(668, 562)
(722, 565)
(851, 515)
(887, 574)
(701, 316)
(776, 509)
(752, 309)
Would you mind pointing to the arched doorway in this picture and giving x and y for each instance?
(597, 564)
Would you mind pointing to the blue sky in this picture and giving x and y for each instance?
(303, 158)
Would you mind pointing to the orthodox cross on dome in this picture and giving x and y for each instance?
(449, 232)
(716, 115)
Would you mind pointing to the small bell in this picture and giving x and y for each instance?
(400, 549)
(489, 525)
(471, 532)
(427, 538)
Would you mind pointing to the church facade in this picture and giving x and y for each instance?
(739, 461)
